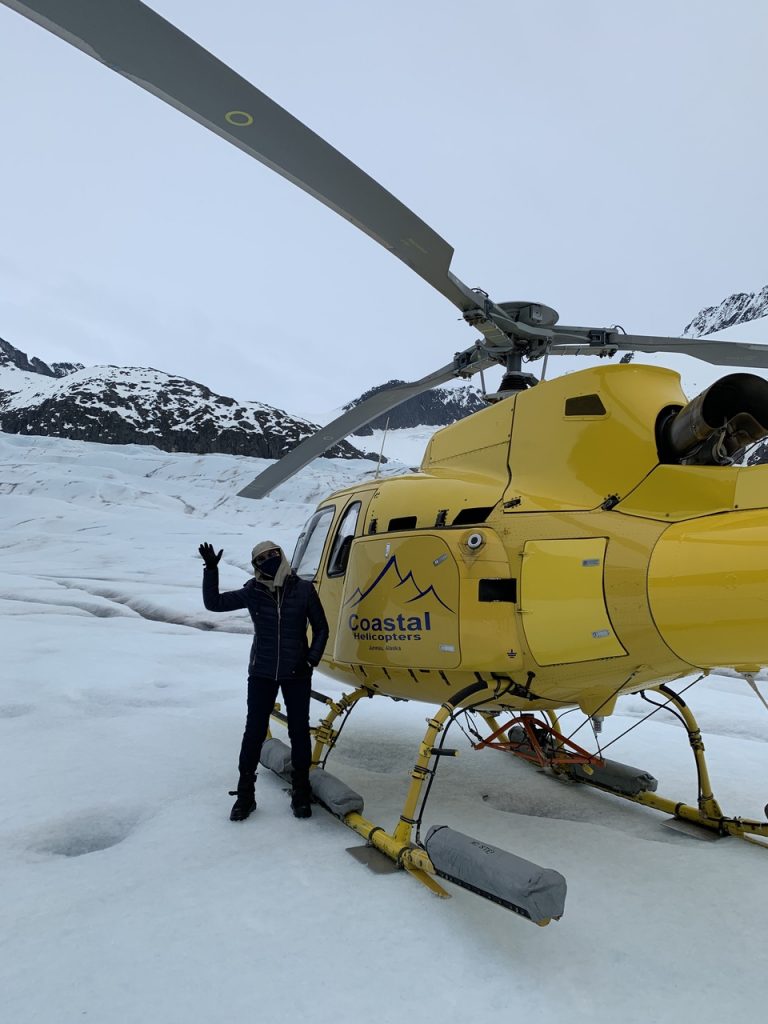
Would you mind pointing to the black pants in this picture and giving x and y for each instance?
(262, 694)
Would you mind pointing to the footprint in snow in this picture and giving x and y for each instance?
(85, 833)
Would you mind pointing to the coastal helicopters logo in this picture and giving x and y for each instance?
(404, 590)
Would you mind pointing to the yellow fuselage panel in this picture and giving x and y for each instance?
(708, 589)
(490, 640)
(562, 460)
(477, 445)
(422, 498)
(676, 493)
(563, 602)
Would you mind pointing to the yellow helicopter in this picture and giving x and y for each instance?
(578, 539)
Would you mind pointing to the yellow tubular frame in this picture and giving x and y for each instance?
(708, 813)
(325, 734)
(397, 845)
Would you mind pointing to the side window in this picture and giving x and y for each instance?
(309, 547)
(342, 542)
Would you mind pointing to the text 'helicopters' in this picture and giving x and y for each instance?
(576, 540)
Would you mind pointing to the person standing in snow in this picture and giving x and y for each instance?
(281, 605)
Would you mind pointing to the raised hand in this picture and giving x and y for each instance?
(209, 556)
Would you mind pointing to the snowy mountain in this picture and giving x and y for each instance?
(739, 308)
(435, 408)
(135, 405)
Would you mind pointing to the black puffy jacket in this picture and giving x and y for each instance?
(280, 649)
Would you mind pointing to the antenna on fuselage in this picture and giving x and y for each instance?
(381, 450)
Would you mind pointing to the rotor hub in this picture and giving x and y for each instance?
(534, 314)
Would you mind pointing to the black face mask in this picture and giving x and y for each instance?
(269, 566)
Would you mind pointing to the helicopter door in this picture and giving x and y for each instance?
(562, 599)
(401, 603)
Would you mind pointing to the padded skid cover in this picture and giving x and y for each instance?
(335, 794)
(330, 791)
(536, 893)
(276, 756)
(621, 778)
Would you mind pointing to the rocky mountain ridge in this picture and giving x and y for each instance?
(137, 405)
(10, 356)
(438, 407)
(738, 308)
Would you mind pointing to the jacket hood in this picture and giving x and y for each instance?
(283, 570)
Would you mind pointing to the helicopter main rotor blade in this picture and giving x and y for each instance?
(136, 42)
(721, 353)
(466, 363)
(607, 341)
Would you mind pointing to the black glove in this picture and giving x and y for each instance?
(209, 556)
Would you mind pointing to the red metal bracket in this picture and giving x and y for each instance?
(541, 745)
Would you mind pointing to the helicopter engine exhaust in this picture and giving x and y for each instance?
(716, 426)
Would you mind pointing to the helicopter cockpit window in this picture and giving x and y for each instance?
(584, 405)
(342, 542)
(309, 547)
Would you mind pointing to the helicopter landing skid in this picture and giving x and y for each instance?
(537, 745)
(528, 890)
(687, 828)
(708, 814)
(380, 864)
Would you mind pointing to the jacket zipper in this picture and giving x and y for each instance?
(279, 603)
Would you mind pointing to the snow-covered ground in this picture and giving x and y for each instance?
(128, 896)
(403, 446)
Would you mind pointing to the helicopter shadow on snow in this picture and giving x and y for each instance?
(538, 794)
(494, 779)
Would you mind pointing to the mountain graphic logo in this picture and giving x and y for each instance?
(404, 580)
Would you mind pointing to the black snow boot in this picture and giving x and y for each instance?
(246, 799)
(301, 795)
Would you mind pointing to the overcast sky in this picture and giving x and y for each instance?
(606, 158)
